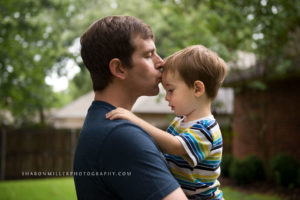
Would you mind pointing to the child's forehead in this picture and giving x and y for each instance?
(167, 75)
(170, 76)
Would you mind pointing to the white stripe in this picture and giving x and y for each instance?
(202, 172)
(219, 150)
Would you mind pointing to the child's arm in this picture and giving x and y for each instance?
(166, 142)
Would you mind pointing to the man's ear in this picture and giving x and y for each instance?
(117, 69)
(199, 88)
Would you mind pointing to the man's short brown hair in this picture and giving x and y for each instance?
(198, 63)
(108, 38)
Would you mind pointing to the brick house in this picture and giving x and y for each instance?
(266, 120)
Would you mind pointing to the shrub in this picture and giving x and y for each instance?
(246, 170)
(225, 165)
(255, 166)
(298, 177)
(284, 170)
(238, 171)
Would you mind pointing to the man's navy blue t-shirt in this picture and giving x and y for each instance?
(118, 160)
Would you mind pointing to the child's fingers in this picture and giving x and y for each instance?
(118, 113)
(108, 115)
(113, 117)
(114, 114)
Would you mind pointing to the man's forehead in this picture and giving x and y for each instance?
(144, 44)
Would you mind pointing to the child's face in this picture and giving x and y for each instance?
(181, 98)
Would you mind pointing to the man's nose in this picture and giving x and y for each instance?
(159, 62)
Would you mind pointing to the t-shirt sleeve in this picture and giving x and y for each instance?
(140, 172)
(197, 142)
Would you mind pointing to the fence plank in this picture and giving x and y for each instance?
(37, 150)
(3, 154)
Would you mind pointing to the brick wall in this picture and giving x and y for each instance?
(267, 122)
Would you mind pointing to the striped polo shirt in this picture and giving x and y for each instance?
(197, 172)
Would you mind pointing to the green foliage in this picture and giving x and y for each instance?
(246, 170)
(239, 172)
(275, 35)
(256, 167)
(31, 43)
(298, 177)
(258, 85)
(35, 37)
(80, 84)
(199, 22)
(225, 165)
(275, 44)
(284, 170)
(227, 135)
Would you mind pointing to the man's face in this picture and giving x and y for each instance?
(145, 75)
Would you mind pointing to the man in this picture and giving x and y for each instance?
(117, 159)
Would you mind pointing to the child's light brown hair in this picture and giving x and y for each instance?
(198, 63)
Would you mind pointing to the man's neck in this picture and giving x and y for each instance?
(116, 96)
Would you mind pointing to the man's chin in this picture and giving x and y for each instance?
(153, 92)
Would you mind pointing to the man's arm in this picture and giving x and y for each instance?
(176, 195)
(166, 142)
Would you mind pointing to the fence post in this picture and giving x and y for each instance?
(73, 143)
(3, 153)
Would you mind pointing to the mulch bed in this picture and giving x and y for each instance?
(263, 187)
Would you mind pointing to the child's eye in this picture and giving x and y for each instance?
(170, 90)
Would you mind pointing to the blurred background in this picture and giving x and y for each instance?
(45, 89)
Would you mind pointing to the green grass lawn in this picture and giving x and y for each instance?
(232, 194)
(63, 188)
(38, 189)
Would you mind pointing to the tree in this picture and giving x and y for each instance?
(268, 28)
(276, 33)
(35, 36)
(31, 43)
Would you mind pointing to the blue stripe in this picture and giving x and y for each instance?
(218, 141)
(171, 130)
(205, 132)
(196, 149)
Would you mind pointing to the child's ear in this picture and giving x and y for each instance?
(117, 69)
(199, 88)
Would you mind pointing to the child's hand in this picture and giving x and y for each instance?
(121, 113)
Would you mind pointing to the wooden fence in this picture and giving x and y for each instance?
(34, 153)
